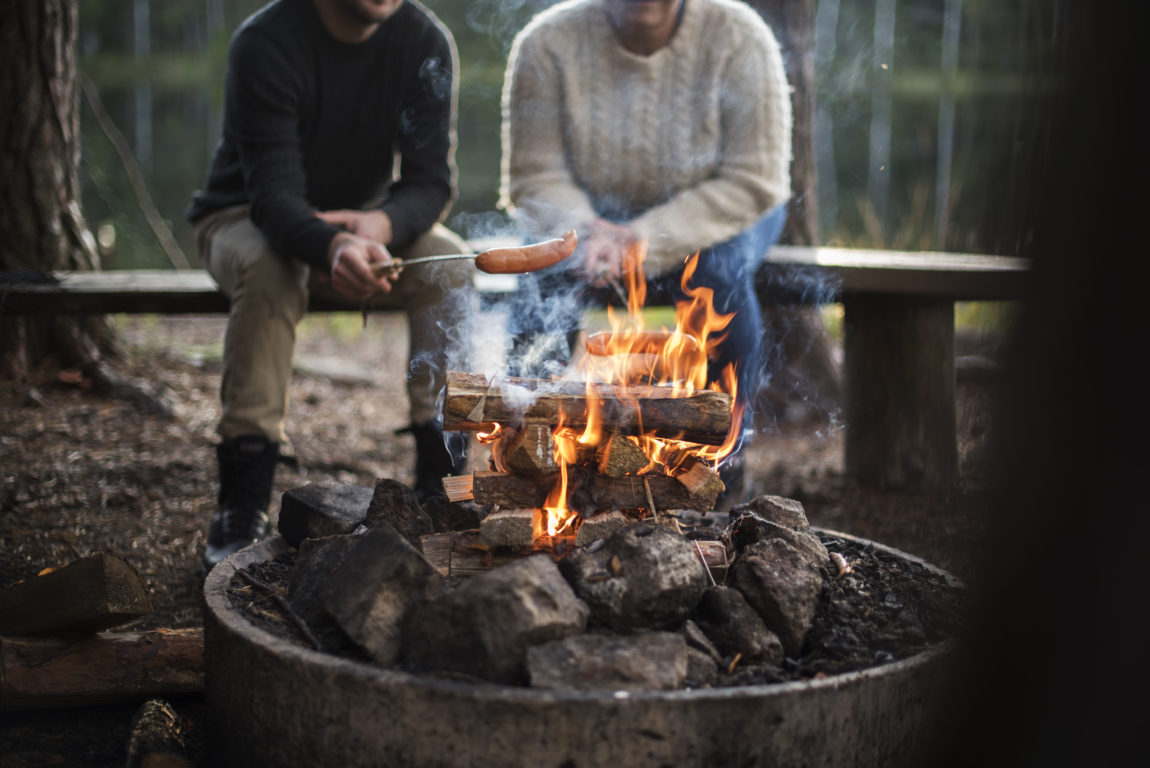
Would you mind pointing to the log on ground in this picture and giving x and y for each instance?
(104, 668)
(88, 595)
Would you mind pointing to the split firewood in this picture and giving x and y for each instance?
(503, 489)
(626, 494)
(475, 403)
(621, 455)
(104, 668)
(599, 526)
(87, 595)
(511, 528)
(463, 553)
(699, 478)
(458, 488)
(531, 450)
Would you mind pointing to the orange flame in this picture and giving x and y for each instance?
(629, 354)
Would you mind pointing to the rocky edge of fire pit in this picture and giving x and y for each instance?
(638, 609)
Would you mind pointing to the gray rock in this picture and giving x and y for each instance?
(777, 509)
(727, 620)
(395, 503)
(374, 588)
(451, 516)
(781, 585)
(645, 577)
(702, 670)
(484, 627)
(313, 511)
(314, 563)
(595, 662)
(749, 528)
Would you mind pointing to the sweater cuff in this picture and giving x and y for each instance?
(312, 246)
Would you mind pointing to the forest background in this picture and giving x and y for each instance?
(927, 117)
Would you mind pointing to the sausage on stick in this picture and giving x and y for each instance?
(501, 261)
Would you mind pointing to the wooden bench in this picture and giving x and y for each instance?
(898, 346)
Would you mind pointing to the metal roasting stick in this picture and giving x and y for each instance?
(394, 266)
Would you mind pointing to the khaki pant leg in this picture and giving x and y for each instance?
(268, 296)
(440, 302)
(441, 306)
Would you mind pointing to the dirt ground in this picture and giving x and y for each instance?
(82, 474)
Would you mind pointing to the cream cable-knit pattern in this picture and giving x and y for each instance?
(691, 145)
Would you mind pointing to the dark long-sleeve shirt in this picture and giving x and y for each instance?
(313, 124)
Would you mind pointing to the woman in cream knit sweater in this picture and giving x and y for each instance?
(667, 121)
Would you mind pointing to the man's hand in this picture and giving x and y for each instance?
(603, 250)
(374, 225)
(350, 258)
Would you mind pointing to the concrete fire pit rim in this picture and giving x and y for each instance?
(217, 602)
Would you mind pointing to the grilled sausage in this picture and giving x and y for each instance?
(643, 342)
(527, 258)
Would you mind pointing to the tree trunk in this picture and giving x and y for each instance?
(42, 227)
(803, 368)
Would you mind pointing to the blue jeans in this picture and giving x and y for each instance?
(545, 313)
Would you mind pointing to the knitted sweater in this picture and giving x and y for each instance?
(690, 145)
(311, 123)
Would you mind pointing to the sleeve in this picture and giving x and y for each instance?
(537, 187)
(754, 173)
(263, 94)
(426, 141)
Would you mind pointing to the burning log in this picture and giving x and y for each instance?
(700, 479)
(599, 492)
(476, 403)
(509, 491)
(599, 526)
(621, 455)
(511, 528)
(531, 450)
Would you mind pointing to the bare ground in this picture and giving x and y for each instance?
(82, 474)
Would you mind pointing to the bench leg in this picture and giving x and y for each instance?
(900, 388)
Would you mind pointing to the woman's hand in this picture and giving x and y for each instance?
(603, 251)
(374, 225)
(349, 259)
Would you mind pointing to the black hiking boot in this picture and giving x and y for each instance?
(437, 455)
(247, 470)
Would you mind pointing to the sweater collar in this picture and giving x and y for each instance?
(684, 24)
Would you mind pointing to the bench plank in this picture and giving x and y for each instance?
(847, 271)
(793, 274)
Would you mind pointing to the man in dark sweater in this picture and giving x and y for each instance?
(337, 153)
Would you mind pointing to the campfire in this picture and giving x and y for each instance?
(585, 567)
(637, 433)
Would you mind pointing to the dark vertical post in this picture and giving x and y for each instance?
(899, 365)
(802, 365)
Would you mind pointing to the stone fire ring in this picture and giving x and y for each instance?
(272, 703)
